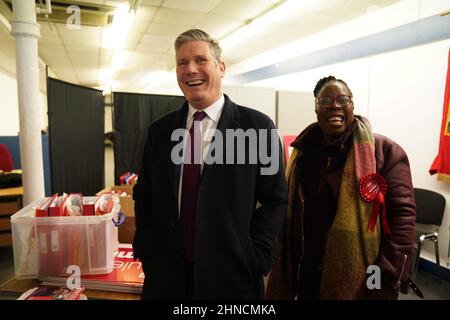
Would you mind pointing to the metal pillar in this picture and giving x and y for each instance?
(25, 30)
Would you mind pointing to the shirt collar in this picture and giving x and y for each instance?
(213, 111)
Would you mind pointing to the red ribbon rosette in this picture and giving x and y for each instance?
(372, 188)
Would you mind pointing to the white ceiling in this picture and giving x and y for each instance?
(77, 56)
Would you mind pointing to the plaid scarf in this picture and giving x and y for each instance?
(349, 248)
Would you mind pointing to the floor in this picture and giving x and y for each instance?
(430, 285)
(6, 264)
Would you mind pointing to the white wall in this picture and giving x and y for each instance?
(295, 111)
(261, 99)
(406, 104)
(9, 106)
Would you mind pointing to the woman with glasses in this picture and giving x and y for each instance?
(349, 229)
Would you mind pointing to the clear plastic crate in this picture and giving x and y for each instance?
(46, 246)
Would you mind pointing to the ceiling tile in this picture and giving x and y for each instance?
(132, 41)
(77, 42)
(146, 13)
(161, 43)
(49, 40)
(219, 26)
(198, 6)
(242, 10)
(146, 59)
(86, 74)
(319, 5)
(353, 8)
(60, 63)
(7, 57)
(152, 2)
(92, 1)
(167, 29)
(105, 56)
(152, 48)
(65, 73)
(178, 16)
(53, 48)
(84, 31)
(139, 27)
(296, 17)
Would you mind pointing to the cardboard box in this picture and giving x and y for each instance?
(127, 229)
(126, 202)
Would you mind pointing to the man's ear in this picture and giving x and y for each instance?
(222, 68)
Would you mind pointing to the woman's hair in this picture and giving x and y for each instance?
(199, 35)
(321, 83)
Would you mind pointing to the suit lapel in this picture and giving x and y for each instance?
(175, 169)
(229, 119)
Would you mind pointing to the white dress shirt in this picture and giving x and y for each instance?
(213, 113)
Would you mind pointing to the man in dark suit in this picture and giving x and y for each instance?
(209, 202)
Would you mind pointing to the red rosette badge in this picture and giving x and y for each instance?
(372, 188)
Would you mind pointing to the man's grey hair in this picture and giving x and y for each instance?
(200, 35)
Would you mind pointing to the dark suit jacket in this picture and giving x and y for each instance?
(235, 236)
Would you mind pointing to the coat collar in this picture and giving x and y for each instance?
(230, 119)
(230, 116)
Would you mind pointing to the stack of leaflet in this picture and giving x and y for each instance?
(53, 293)
(127, 275)
(129, 178)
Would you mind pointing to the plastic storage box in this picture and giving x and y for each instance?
(46, 246)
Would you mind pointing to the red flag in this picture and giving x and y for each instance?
(441, 165)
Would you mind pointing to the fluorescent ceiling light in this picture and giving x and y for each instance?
(117, 33)
(105, 78)
(115, 38)
(120, 57)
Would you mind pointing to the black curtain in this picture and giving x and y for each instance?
(133, 114)
(76, 133)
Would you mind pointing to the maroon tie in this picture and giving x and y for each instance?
(190, 184)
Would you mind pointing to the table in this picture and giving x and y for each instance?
(10, 203)
(15, 287)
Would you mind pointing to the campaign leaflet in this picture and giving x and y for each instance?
(127, 274)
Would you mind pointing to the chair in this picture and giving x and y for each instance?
(430, 207)
(6, 160)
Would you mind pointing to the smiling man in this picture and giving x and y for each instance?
(207, 230)
(199, 72)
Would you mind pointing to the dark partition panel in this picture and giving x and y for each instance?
(76, 132)
(133, 113)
